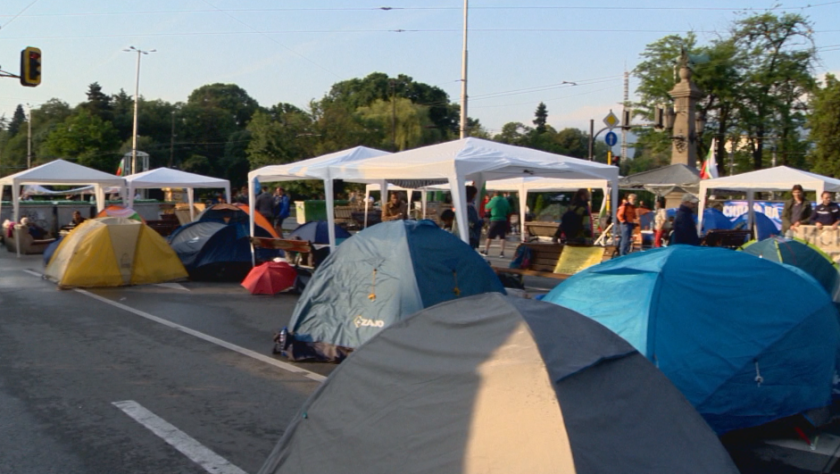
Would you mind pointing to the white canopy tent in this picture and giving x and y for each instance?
(468, 159)
(780, 178)
(521, 185)
(171, 178)
(60, 173)
(313, 168)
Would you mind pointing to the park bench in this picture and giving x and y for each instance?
(298, 252)
(344, 216)
(544, 258)
(165, 225)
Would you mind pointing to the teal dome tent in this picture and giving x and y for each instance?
(381, 275)
(801, 255)
(746, 340)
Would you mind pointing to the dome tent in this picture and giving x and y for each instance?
(113, 251)
(492, 383)
(703, 315)
(801, 255)
(383, 274)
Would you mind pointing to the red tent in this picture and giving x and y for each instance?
(270, 278)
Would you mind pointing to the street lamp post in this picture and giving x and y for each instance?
(132, 49)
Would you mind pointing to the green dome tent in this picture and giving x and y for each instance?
(798, 253)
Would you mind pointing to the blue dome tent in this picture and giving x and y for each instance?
(383, 274)
(801, 255)
(703, 316)
(764, 225)
(217, 251)
(317, 232)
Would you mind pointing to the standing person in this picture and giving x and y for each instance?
(281, 209)
(242, 196)
(685, 228)
(475, 223)
(797, 210)
(826, 213)
(660, 222)
(499, 210)
(629, 220)
(573, 224)
(264, 204)
(395, 209)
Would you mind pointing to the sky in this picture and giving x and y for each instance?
(570, 55)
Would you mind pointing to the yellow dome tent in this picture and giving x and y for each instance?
(113, 251)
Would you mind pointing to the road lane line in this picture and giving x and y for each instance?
(188, 446)
(241, 350)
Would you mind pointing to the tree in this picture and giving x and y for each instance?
(824, 124)
(407, 124)
(777, 75)
(18, 119)
(228, 97)
(87, 138)
(513, 133)
(540, 118)
(98, 103)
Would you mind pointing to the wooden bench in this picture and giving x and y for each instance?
(166, 225)
(731, 239)
(544, 257)
(295, 250)
(538, 229)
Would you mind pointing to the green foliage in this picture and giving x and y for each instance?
(407, 125)
(540, 118)
(18, 119)
(824, 123)
(86, 138)
(539, 204)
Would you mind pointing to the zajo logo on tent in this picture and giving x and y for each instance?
(360, 321)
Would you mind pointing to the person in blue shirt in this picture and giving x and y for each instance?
(281, 209)
(827, 213)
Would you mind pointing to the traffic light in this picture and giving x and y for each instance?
(30, 67)
(617, 160)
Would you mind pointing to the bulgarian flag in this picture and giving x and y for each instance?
(709, 168)
(121, 169)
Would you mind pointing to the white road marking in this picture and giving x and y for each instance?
(189, 447)
(241, 350)
(172, 286)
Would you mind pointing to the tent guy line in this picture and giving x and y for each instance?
(241, 350)
(184, 443)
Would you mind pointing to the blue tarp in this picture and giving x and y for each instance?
(383, 274)
(717, 323)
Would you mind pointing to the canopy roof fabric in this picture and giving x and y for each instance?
(171, 178)
(780, 178)
(663, 180)
(491, 383)
(60, 172)
(313, 168)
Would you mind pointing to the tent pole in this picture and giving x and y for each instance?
(16, 214)
(751, 211)
(523, 199)
(328, 192)
(367, 201)
(701, 208)
(251, 199)
(457, 187)
(190, 200)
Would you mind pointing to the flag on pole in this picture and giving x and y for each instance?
(121, 169)
(709, 169)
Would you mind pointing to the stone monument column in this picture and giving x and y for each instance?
(683, 135)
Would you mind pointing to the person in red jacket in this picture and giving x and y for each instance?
(629, 220)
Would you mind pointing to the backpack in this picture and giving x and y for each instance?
(522, 257)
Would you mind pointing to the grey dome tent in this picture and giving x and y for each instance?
(493, 383)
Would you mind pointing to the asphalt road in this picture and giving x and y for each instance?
(66, 358)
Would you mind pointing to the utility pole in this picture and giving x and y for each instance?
(591, 139)
(393, 116)
(626, 104)
(172, 142)
(464, 132)
(29, 138)
(132, 49)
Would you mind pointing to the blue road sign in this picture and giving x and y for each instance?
(611, 138)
